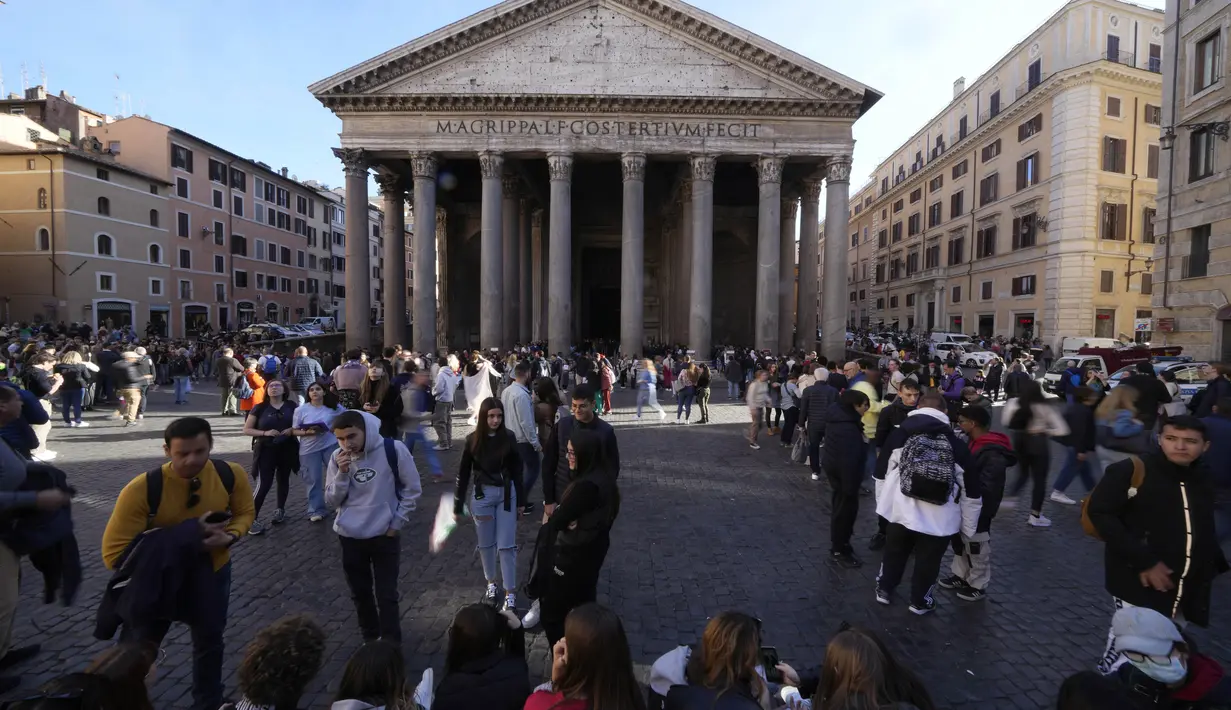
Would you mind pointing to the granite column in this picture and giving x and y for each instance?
(833, 284)
(701, 284)
(491, 274)
(358, 259)
(632, 256)
(786, 275)
(769, 231)
(560, 254)
(393, 190)
(805, 306)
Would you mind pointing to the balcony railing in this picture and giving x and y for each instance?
(1128, 59)
(1028, 86)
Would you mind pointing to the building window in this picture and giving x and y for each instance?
(935, 213)
(912, 262)
(155, 287)
(106, 282)
(217, 199)
(957, 294)
(1025, 232)
(1208, 67)
(258, 212)
(990, 151)
(260, 282)
(1153, 115)
(893, 301)
(104, 206)
(853, 295)
(1196, 264)
(42, 198)
(239, 244)
(862, 294)
(1029, 128)
(880, 303)
(1023, 285)
(241, 279)
(896, 229)
(994, 104)
(1113, 106)
(989, 189)
(103, 174)
(155, 254)
(855, 239)
(1155, 63)
(985, 242)
(239, 180)
(1106, 281)
(916, 195)
(284, 254)
(220, 264)
(1113, 222)
(1034, 74)
(1152, 162)
(153, 189)
(104, 245)
(960, 169)
(30, 164)
(961, 128)
(1147, 284)
(220, 293)
(1147, 225)
(910, 300)
(882, 238)
(955, 204)
(153, 218)
(185, 259)
(1113, 48)
(931, 256)
(312, 261)
(1200, 154)
(217, 172)
(182, 224)
(186, 289)
(43, 240)
(1115, 152)
(957, 250)
(897, 206)
(936, 183)
(914, 224)
(181, 157)
(299, 284)
(220, 236)
(286, 285)
(258, 252)
(985, 290)
(1028, 171)
(237, 205)
(181, 187)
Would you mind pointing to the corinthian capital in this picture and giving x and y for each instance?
(838, 169)
(560, 166)
(355, 161)
(423, 165)
(633, 166)
(702, 167)
(491, 165)
(769, 169)
(390, 185)
(812, 189)
(790, 205)
(510, 183)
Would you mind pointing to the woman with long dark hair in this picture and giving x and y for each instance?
(547, 405)
(1032, 423)
(592, 668)
(581, 524)
(703, 392)
(379, 397)
(485, 662)
(376, 676)
(275, 449)
(490, 462)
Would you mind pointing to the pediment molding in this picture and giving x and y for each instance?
(592, 104)
(350, 89)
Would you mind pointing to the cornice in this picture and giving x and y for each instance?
(667, 15)
(590, 104)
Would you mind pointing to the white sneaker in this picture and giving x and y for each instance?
(662, 416)
(440, 447)
(83, 424)
(510, 602)
(44, 455)
(1059, 497)
(424, 690)
(531, 619)
(1038, 521)
(816, 477)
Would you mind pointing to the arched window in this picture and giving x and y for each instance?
(153, 218)
(42, 198)
(271, 312)
(104, 206)
(155, 254)
(43, 239)
(104, 245)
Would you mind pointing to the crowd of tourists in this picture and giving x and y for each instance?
(916, 436)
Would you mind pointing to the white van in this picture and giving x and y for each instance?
(959, 338)
(319, 324)
(1070, 345)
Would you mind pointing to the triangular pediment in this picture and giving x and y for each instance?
(648, 49)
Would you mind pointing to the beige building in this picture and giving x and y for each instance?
(240, 231)
(82, 237)
(1026, 206)
(1193, 264)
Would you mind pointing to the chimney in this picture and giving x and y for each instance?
(35, 93)
(283, 171)
(959, 86)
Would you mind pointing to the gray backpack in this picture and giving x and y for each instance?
(927, 470)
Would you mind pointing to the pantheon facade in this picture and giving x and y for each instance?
(586, 169)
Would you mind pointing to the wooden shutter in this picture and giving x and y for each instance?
(1147, 283)
(1152, 162)
(1121, 222)
(1022, 177)
(1106, 281)
(1108, 157)
(1017, 233)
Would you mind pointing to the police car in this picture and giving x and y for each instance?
(1188, 375)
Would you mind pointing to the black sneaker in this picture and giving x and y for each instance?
(491, 595)
(928, 607)
(877, 543)
(256, 529)
(18, 655)
(279, 517)
(846, 560)
(882, 597)
(952, 582)
(527, 509)
(970, 594)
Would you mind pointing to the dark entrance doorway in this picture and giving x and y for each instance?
(600, 293)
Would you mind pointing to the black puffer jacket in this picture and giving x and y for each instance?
(814, 404)
(499, 682)
(844, 452)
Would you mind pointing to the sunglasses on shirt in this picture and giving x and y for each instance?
(194, 495)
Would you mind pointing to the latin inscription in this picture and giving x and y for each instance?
(582, 127)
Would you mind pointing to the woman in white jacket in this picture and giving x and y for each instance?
(1032, 422)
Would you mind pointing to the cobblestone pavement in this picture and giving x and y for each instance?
(707, 524)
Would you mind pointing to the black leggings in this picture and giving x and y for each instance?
(270, 464)
(1033, 462)
(576, 584)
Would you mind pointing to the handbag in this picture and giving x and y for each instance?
(799, 450)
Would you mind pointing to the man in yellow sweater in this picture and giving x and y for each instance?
(192, 489)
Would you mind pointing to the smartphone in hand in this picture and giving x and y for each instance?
(769, 661)
(215, 518)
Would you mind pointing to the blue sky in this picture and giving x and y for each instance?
(236, 73)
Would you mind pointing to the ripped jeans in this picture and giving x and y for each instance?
(496, 529)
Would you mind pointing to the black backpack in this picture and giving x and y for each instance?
(153, 487)
(928, 472)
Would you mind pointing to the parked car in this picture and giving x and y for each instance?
(1187, 375)
(320, 324)
(267, 331)
(977, 358)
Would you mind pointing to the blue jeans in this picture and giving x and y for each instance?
(207, 648)
(71, 399)
(1073, 468)
(312, 467)
(869, 466)
(732, 389)
(181, 388)
(531, 464)
(496, 529)
(416, 435)
(648, 397)
(687, 395)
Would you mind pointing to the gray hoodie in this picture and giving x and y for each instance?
(368, 499)
(354, 705)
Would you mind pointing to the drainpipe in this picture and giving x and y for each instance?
(51, 205)
(1175, 63)
(1131, 199)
